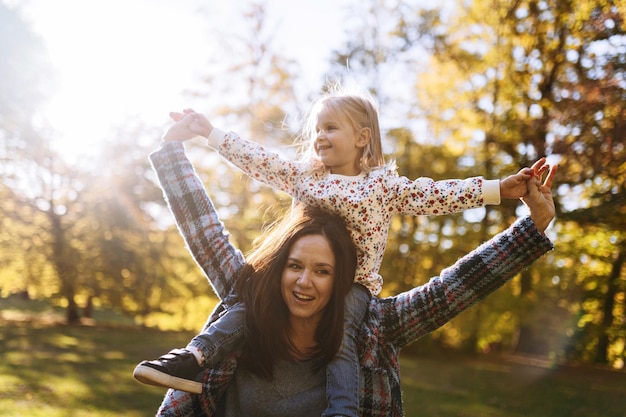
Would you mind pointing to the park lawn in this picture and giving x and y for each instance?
(76, 371)
(509, 386)
(52, 370)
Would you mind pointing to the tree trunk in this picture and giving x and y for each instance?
(64, 265)
(88, 309)
(73, 315)
(527, 341)
(608, 317)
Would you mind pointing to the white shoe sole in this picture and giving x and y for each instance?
(151, 376)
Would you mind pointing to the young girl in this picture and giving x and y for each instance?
(343, 171)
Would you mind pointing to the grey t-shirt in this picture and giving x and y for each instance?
(294, 391)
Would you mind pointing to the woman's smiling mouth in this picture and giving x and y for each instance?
(302, 297)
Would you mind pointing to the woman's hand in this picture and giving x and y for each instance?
(539, 198)
(188, 125)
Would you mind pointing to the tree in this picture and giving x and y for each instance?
(137, 262)
(27, 79)
(503, 84)
(57, 241)
(257, 99)
(526, 79)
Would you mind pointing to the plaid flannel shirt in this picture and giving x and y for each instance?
(391, 323)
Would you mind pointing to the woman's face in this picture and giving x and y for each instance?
(307, 280)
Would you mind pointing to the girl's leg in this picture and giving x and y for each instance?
(179, 368)
(221, 337)
(342, 375)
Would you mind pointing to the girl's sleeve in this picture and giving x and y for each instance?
(196, 217)
(412, 314)
(254, 160)
(429, 197)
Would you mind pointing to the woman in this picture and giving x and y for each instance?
(344, 172)
(391, 323)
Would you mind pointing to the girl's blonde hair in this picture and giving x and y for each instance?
(360, 112)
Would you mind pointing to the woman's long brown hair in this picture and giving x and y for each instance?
(267, 316)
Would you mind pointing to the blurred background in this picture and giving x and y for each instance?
(465, 88)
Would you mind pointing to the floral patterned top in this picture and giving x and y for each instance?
(366, 202)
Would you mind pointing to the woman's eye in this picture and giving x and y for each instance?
(294, 266)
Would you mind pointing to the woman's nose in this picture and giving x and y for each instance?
(303, 279)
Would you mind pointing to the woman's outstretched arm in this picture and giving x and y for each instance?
(196, 217)
(412, 314)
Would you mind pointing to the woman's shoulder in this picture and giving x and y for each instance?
(379, 332)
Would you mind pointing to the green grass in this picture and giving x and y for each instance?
(54, 370)
(62, 371)
(488, 386)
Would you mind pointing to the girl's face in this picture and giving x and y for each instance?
(338, 146)
(307, 280)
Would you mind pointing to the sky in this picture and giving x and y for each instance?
(121, 60)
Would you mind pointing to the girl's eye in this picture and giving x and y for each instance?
(325, 129)
(324, 272)
(294, 266)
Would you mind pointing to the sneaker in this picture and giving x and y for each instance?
(177, 369)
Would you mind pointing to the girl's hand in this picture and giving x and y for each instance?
(516, 186)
